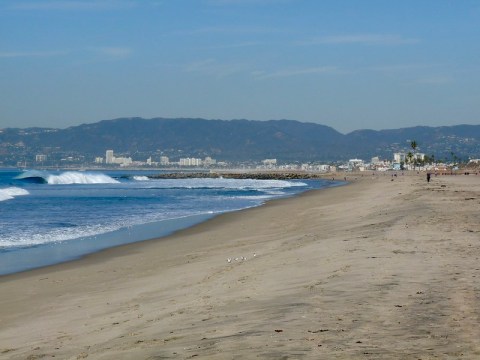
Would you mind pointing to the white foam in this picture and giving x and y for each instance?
(141, 178)
(11, 192)
(254, 197)
(32, 237)
(75, 177)
(29, 238)
(221, 183)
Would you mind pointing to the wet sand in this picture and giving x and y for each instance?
(378, 269)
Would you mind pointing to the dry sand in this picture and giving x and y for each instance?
(378, 269)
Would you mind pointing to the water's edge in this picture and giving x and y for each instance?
(24, 259)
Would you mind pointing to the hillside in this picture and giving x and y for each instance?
(235, 140)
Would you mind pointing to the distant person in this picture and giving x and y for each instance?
(428, 177)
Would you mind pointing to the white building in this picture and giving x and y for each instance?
(109, 157)
(122, 161)
(402, 157)
(324, 168)
(164, 160)
(399, 157)
(40, 158)
(209, 161)
(376, 160)
(315, 167)
(190, 162)
(419, 156)
(269, 162)
(99, 160)
(354, 164)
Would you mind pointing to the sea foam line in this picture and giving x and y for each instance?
(234, 184)
(11, 192)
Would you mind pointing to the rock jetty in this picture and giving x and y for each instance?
(241, 175)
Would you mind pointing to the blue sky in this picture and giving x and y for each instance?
(349, 64)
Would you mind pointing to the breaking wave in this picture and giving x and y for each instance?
(11, 192)
(69, 177)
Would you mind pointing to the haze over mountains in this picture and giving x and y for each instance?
(241, 140)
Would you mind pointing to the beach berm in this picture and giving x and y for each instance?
(383, 268)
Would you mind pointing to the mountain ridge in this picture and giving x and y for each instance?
(239, 139)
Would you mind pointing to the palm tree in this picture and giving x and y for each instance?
(409, 157)
(414, 146)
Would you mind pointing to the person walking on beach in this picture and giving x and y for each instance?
(428, 177)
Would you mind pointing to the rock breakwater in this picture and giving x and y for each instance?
(242, 175)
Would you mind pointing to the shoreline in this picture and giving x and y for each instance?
(131, 247)
(378, 269)
(50, 254)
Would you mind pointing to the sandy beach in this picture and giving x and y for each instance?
(383, 268)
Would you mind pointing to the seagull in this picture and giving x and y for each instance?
(229, 260)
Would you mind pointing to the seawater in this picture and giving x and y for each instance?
(48, 217)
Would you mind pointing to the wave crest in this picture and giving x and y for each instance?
(69, 177)
(75, 177)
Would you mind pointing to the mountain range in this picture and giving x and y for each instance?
(239, 140)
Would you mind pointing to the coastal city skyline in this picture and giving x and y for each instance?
(345, 64)
(187, 142)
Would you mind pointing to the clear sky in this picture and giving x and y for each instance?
(349, 64)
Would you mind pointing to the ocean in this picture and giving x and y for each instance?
(48, 217)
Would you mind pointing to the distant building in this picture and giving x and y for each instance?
(355, 164)
(40, 158)
(311, 167)
(419, 156)
(269, 162)
(396, 166)
(164, 160)
(122, 161)
(402, 157)
(399, 157)
(209, 161)
(190, 162)
(378, 164)
(324, 168)
(109, 157)
(99, 160)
